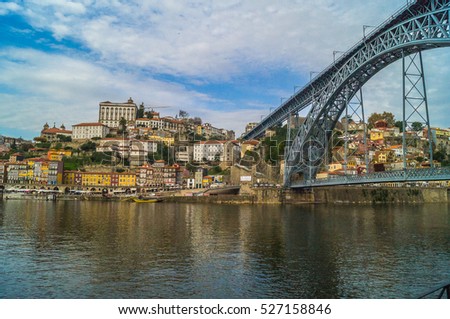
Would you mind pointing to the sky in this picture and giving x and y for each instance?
(229, 62)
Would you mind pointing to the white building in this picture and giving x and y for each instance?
(134, 150)
(222, 151)
(139, 150)
(111, 113)
(164, 124)
(85, 131)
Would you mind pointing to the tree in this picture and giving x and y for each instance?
(417, 126)
(399, 124)
(122, 124)
(88, 146)
(386, 116)
(140, 112)
(197, 121)
(63, 138)
(183, 114)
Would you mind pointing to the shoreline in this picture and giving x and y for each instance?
(273, 196)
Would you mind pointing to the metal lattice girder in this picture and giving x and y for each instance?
(415, 105)
(420, 25)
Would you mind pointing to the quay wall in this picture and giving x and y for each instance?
(366, 195)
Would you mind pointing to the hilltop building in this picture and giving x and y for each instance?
(85, 131)
(111, 113)
(51, 133)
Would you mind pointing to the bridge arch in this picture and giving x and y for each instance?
(419, 26)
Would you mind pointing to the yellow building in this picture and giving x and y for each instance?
(248, 146)
(57, 155)
(165, 140)
(127, 180)
(199, 130)
(96, 179)
(376, 135)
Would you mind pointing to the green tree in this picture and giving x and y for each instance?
(399, 124)
(141, 111)
(417, 126)
(387, 116)
(89, 146)
(122, 125)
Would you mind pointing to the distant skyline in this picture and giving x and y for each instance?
(228, 62)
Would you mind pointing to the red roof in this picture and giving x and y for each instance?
(90, 124)
(55, 130)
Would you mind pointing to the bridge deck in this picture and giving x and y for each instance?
(412, 175)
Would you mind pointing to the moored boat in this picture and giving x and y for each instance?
(147, 200)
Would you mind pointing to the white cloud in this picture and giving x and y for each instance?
(7, 7)
(131, 43)
(43, 87)
(211, 39)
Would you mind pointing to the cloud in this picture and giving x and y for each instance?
(208, 39)
(43, 87)
(225, 61)
(8, 7)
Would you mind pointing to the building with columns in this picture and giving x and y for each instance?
(111, 113)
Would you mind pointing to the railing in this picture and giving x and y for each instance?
(438, 292)
(411, 175)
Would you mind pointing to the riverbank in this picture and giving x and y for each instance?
(277, 196)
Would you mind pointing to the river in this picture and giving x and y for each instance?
(85, 249)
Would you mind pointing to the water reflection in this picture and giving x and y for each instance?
(125, 250)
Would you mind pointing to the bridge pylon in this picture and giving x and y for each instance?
(415, 106)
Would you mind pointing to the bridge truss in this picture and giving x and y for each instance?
(418, 26)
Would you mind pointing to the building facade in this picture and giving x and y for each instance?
(111, 113)
(85, 131)
(51, 134)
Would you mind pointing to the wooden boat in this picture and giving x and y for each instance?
(147, 200)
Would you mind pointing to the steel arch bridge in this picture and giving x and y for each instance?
(418, 26)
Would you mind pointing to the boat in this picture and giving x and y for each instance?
(147, 200)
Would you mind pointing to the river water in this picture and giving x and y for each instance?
(82, 249)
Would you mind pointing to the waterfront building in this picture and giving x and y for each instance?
(55, 173)
(52, 134)
(158, 175)
(100, 179)
(126, 179)
(2, 172)
(41, 172)
(73, 177)
(110, 113)
(85, 131)
(16, 173)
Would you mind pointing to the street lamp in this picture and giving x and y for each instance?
(366, 27)
(334, 55)
(311, 73)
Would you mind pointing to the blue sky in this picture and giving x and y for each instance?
(227, 61)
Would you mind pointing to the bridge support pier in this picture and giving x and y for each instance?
(415, 105)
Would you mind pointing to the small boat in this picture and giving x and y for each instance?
(147, 200)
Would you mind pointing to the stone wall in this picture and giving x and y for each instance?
(365, 195)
